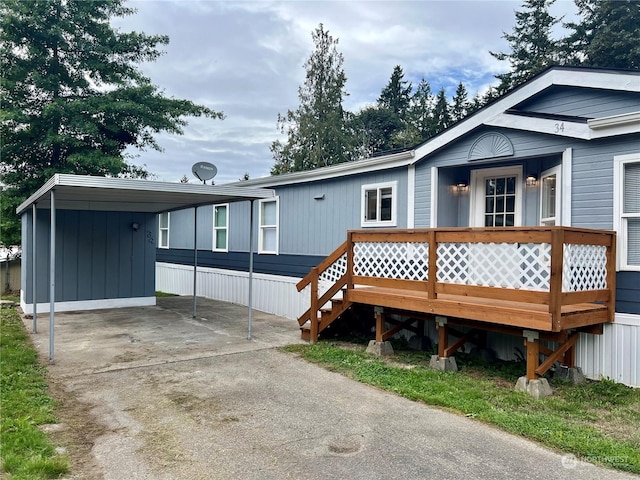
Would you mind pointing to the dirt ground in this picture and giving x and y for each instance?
(152, 393)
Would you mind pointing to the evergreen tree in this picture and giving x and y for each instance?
(421, 113)
(73, 98)
(396, 95)
(317, 133)
(373, 130)
(441, 113)
(532, 48)
(608, 34)
(460, 108)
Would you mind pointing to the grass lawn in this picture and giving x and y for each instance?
(598, 422)
(25, 450)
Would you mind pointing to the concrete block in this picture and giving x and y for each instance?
(573, 375)
(538, 388)
(380, 349)
(444, 364)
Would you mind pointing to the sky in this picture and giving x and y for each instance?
(246, 58)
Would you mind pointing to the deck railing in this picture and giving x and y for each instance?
(552, 266)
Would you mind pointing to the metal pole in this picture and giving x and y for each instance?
(250, 271)
(33, 268)
(195, 257)
(52, 278)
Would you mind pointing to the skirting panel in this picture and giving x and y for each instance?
(81, 305)
(271, 293)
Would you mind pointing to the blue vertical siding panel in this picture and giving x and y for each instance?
(82, 251)
(112, 254)
(125, 255)
(205, 227)
(150, 230)
(239, 226)
(422, 206)
(98, 258)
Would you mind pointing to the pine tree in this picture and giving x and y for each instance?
(441, 113)
(460, 108)
(396, 95)
(608, 34)
(73, 98)
(317, 133)
(531, 44)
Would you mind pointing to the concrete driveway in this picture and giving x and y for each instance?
(150, 393)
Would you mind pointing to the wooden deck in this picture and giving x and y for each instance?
(539, 282)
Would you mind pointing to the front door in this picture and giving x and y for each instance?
(496, 197)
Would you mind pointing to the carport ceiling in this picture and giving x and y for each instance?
(81, 192)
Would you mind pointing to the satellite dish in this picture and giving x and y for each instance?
(204, 170)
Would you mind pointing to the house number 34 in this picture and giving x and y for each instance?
(559, 127)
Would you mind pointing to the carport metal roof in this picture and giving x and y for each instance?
(82, 192)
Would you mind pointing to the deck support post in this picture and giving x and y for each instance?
(379, 346)
(443, 335)
(533, 353)
(313, 334)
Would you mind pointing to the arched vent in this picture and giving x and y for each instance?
(490, 145)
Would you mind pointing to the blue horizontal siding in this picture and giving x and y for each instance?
(283, 265)
(628, 292)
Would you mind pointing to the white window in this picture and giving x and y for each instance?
(379, 205)
(626, 191)
(550, 197)
(163, 230)
(268, 223)
(496, 197)
(221, 228)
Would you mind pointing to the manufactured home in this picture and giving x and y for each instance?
(530, 206)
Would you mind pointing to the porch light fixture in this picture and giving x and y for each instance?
(531, 180)
(135, 226)
(461, 187)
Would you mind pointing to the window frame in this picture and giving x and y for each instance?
(619, 217)
(214, 246)
(477, 207)
(161, 229)
(393, 185)
(262, 228)
(557, 171)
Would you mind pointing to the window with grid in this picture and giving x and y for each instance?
(500, 201)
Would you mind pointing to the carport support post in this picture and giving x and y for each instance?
(52, 278)
(250, 300)
(33, 268)
(195, 257)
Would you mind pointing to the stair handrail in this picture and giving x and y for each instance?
(313, 278)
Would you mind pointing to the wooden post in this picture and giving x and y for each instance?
(555, 283)
(533, 353)
(611, 277)
(349, 260)
(570, 357)
(313, 317)
(443, 335)
(432, 265)
(379, 314)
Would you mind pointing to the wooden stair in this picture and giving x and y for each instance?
(329, 312)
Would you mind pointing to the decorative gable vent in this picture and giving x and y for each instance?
(490, 145)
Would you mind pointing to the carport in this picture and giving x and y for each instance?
(93, 224)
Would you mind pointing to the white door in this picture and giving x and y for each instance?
(496, 197)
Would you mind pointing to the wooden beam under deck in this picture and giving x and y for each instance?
(515, 314)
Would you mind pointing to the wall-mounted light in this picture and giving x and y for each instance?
(532, 180)
(460, 187)
(135, 226)
(319, 197)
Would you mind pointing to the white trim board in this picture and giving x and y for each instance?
(81, 305)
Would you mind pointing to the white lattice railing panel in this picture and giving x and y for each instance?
(332, 274)
(584, 268)
(399, 260)
(505, 265)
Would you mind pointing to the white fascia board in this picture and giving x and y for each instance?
(44, 189)
(614, 121)
(622, 81)
(384, 162)
(559, 128)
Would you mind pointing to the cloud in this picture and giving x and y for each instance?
(246, 58)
